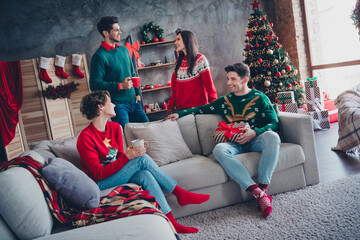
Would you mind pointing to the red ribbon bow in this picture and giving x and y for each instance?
(133, 48)
(223, 126)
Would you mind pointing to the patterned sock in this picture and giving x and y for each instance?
(264, 188)
(184, 197)
(44, 76)
(59, 71)
(263, 200)
(178, 227)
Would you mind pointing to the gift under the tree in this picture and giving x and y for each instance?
(285, 97)
(228, 132)
(333, 111)
(313, 96)
(289, 107)
(320, 119)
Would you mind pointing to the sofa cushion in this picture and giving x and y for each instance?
(22, 204)
(189, 132)
(206, 125)
(5, 231)
(67, 150)
(166, 144)
(72, 184)
(290, 155)
(196, 172)
(34, 155)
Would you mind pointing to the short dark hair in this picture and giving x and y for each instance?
(106, 23)
(240, 68)
(90, 102)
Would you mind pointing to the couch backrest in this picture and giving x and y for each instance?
(189, 132)
(206, 125)
(22, 204)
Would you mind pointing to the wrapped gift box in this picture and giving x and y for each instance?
(285, 97)
(320, 119)
(289, 107)
(228, 132)
(313, 96)
(333, 111)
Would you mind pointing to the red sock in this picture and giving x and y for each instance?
(76, 71)
(44, 76)
(184, 197)
(263, 200)
(180, 228)
(59, 71)
(263, 187)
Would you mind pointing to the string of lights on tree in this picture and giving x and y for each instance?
(270, 65)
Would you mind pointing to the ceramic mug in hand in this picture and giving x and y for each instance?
(139, 142)
(136, 81)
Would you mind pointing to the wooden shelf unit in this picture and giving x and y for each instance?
(157, 43)
(155, 89)
(156, 66)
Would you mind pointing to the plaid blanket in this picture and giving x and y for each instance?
(124, 200)
(348, 104)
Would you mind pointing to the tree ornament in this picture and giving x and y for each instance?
(295, 83)
(271, 24)
(278, 74)
(248, 47)
(289, 85)
(154, 29)
(276, 38)
(276, 99)
(275, 61)
(260, 60)
(288, 68)
(271, 33)
(280, 84)
(266, 44)
(302, 95)
(246, 40)
(278, 46)
(286, 59)
(264, 18)
(286, 53)
(257, 45)
(283, 71)
(269, 73)
(301, 83)
(269, 51)
(295, 71)
(256, 24)
(267, 83)
(268, 65)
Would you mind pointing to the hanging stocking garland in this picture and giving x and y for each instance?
(44, 65)
(59, 67)
(76, 61)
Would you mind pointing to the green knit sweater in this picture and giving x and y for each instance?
(108, 69)
(254, 108)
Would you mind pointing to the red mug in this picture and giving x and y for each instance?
(136, 81)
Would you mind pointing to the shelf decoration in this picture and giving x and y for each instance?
(155, 30)
(60, 91)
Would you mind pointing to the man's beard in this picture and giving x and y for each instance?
(114, 40)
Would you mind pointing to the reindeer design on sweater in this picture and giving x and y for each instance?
(240, 117)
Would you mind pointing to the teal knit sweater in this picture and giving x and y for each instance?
(254, 108)
(108, 69)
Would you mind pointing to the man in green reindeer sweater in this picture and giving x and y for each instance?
(247, 105)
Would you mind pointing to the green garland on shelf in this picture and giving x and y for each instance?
(155, 29)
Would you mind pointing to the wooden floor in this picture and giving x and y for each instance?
(334, 165)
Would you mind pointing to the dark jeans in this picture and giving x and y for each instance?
(129, 112)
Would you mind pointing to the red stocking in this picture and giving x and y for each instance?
(76, 61)
(44, 64)
(59, 67)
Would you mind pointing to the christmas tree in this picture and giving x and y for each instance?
(270, 66)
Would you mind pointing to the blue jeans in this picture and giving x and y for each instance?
(144, 172)
(268, 143)
(129, 112)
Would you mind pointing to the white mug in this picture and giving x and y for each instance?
(139, 142)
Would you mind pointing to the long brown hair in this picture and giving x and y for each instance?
(192, 50)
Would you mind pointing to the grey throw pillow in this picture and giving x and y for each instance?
(166, 144)
(68, 151)
(72, 184)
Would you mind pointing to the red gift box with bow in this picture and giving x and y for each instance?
(228, 132)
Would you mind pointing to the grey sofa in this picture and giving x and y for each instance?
(199, 173)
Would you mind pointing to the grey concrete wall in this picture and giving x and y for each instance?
(30, 29)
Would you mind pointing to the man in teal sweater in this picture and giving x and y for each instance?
(111, 69)
(254, 107)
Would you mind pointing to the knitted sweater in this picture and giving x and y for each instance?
(192, 90)
(101, 153)
(110, 67)
(253, 107)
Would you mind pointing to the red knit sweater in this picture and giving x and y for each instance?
(101, 153)
(192, 90)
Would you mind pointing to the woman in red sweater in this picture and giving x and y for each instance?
(191, 82)
(104, 159)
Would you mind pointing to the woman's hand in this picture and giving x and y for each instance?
(172, 117)
(132, 152)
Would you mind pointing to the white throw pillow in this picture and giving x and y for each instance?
(166, 144)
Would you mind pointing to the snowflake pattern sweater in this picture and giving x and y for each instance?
(192, 90)
(253, 107)
(101, 153)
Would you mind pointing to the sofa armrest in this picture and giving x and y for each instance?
(298, 129)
